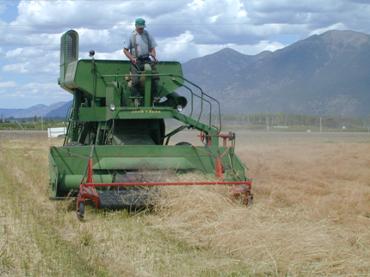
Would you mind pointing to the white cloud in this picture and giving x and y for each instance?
(39, 91)
(251, 49)
(196, 5)
(183, 47)
(20, 52)
(337, 26)
(35, 67)
(88, 14)
(30, 60)
(183, 29)
(105, 27)
(16, 67)
(180, 47)
(263, 45)
(39, 88)
(9, 84)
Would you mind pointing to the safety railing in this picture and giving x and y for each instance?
(204, 98)
(195, 91)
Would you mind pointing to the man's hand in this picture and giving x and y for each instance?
(153, 54)
(129, 56)
(154, 58)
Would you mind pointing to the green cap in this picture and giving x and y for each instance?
(139, 22)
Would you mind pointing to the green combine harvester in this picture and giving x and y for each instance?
(117, 148)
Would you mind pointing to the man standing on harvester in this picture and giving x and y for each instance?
(139, 47)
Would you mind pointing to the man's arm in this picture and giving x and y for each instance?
(129, 56)
(153, 54)
(153, 45)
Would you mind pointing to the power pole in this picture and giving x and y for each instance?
(267, 123)
(320, 124)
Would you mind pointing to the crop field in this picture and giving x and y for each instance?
(311, 216)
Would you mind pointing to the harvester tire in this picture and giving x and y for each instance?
(250, 199)
(81, 211)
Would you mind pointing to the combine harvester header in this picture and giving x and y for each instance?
(116, 141)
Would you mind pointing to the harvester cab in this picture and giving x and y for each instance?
(117, 145)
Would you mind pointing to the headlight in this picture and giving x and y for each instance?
(179, 108)
(112, 107)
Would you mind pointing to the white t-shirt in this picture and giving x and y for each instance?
(143, 41)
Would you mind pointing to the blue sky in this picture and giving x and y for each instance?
(30, 32)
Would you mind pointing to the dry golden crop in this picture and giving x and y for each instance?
(311, 216)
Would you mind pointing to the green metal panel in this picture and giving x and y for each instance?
(69, 181)
(148, 87)
(131, 163)
(92, 114)
(71, 161)
(94, 80)
(99, 114)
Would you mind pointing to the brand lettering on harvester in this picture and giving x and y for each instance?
(146, 111)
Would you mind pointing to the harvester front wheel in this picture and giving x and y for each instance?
(242, 194)
(81, 211)
(249, 199)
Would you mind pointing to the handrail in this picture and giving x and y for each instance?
(201, 107)
(207, 95)
(192, 98)
(202, 95)
(68, 118)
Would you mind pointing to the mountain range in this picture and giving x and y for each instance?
(56, 110)
(326, 74)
